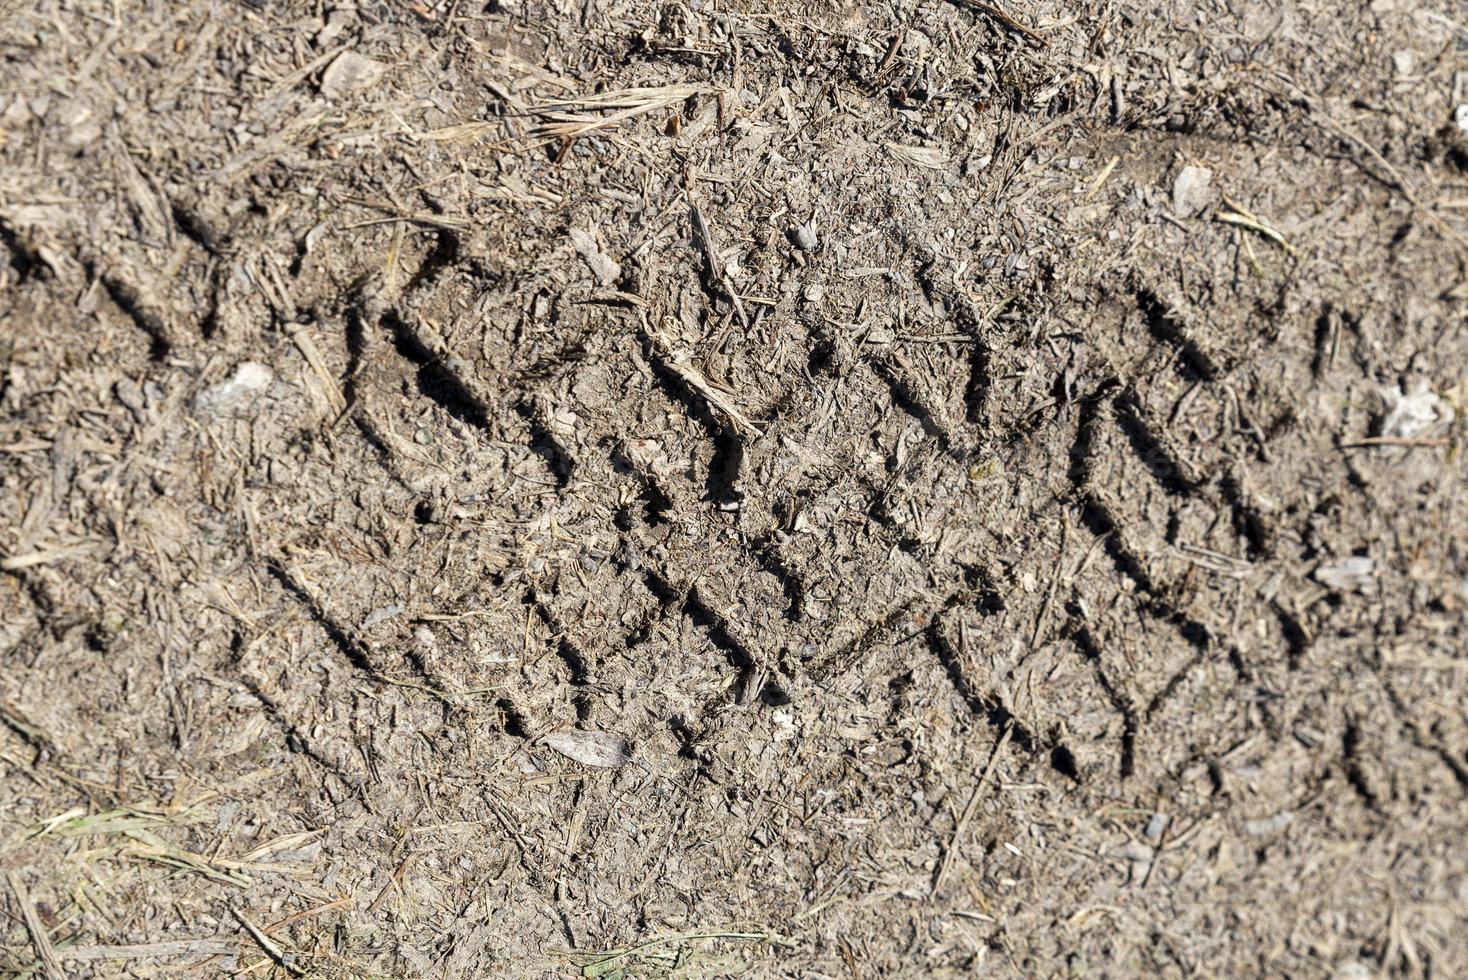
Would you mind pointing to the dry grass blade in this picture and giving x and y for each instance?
(286, 842)
(1242, 217)
(1100, 180)
(346, 901)
(968, 810)
(144, 845)
(459, 131)
(679, 364)
(151, 951)
(620, 106)
(152, 848)
(302, 338)
(16, 563)
(424, 218)
(627, 98)
(716, 272)
(81, 824)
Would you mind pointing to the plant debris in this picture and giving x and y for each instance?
(602, 750)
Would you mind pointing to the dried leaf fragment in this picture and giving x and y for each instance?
(350, 72)
(603, 750)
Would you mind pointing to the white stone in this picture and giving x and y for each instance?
(249, 380)
(1192, 191)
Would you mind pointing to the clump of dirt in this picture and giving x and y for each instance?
(630, 489)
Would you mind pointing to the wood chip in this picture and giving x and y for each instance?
(928, 157)
(601, 265)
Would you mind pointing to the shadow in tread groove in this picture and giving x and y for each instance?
(436, 382)
(1154, 454)
(575, 661)
(714, 626)
(906, 397)
(131, 302)
(1097, 517)
(1165, 327)
(991, 710)
(1086, 643)
(772, 563)
(294, 739)
(545, 445)
(356, 650)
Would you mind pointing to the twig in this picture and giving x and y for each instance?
(711, 259)
(36, 928)
(1394, 177)
(624, 99)
(628, 104)
(15, 563)
(1004, 19)
(277, 954)
(1394, 441)
(1101, 178)
(288, 312)
(394, 880)
(693, 378)
(415, 218)
(968, 810)
(335, 400)
(164, 950)
(912, 338)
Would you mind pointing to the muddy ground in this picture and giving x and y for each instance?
(723, 488)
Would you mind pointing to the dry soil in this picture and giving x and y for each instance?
(721, 487)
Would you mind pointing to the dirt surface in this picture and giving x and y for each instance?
(725, 487)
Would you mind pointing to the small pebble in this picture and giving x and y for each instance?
(1155, 826)
(381, 615)
(1269, 825)
(1192, 191)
